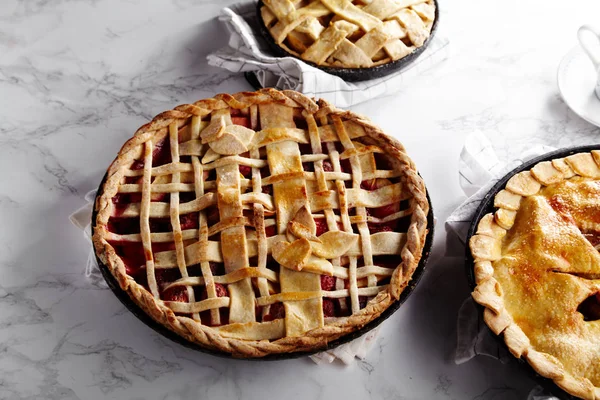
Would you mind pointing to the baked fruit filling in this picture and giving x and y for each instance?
(590, 308)
(393, 217)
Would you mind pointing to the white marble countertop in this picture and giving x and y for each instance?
(76, 80)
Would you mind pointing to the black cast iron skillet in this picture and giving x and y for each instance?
(352, 74)
(486, 207)
(138, 312)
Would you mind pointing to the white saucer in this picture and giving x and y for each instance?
(576, 82)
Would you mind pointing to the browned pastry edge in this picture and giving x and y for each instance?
(485, 247)
(209, 337)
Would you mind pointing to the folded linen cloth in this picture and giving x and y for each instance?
(249, 52)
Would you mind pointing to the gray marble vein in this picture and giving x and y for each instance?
(77, 78)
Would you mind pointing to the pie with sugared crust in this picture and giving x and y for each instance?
(537, 270)
(261, 222)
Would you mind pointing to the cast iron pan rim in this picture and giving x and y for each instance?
(487, 206)
(352, 74)
(146, 319)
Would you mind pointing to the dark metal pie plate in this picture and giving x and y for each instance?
(487, 206)
(138, 312)
(352, 74)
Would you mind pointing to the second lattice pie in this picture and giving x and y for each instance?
(349, 33)
(261, 223)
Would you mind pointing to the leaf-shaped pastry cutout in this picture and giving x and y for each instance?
(244, 134)
(234, 141)
(214, 130)
(301, 231)
(292, 255)
(318, 265)
(304, 217)
(334, 244)
(210, 156)
(228, 145)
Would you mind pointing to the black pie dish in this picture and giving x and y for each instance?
(147, 320)
(486, 207)
(351, 74)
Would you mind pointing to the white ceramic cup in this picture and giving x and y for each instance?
(590, 41)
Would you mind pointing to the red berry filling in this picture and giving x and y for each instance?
(160, 225)
(189, 221)
(376, 228)
(271, 230)
(162, 153)
(124, 226)
(165, 277)
(384, 211)
(137, 165)
(205, 316)
(593, 237)
(120, 201)
(276, 311)
(308, 167)
(212, 216)
(220, 290)
(329, 309)
(216, 269)
(176, 293)
(132, 255)
(321, 225)
(345, 166)
(246, 171)
(369, 184)
(185, 197)
(165, 246)
(241, 120)
(590, 308)
(327, 282)
(362, 301)
(387, 261)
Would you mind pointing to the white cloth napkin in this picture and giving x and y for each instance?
(346, 353)
(480, 168)
(248, 51)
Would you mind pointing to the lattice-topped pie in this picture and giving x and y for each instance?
(349, 33)
(537, 269)
(262, 222)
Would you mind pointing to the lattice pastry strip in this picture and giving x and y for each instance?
(174, 212)
(247, 213)
(209, 284)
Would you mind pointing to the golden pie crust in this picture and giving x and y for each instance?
(535, 266)
(208, 150)
(349, 34)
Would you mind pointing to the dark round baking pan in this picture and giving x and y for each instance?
(352, 74)
(140, 314)
(486, 207)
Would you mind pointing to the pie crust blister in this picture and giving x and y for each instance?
(537, 270)
(349, 34)
(261, 223)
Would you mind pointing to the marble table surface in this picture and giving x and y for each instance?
(76, 80)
